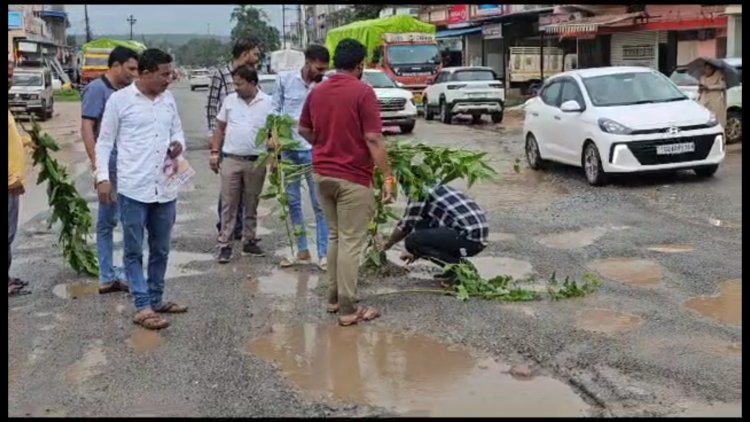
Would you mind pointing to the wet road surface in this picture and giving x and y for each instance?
(661, 337)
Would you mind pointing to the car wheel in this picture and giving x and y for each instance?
(428, 114)
(42, 114)
(445, 115)
(533, 157)
(733, 130)
(51, 111)
(497, 117)
(706, 171)
(407, 128)
(592, 165)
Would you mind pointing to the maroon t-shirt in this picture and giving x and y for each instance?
(340, 111)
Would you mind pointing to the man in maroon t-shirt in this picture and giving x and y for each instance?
(341, 120)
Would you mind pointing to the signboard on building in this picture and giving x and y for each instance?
(458, 16)
(521, 8)
(550, 19)
(638, 52)
(490, 9)
(492, 32)
(15, 20)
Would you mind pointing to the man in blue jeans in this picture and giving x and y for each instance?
(291, 92)
(143, 122)
(123, 68)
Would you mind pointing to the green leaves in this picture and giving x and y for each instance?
(67, 205)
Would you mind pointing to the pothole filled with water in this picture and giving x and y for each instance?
(606, 321)
(634, 271)
(144, 341)
(491, 266)
(572, 239)
(409, 374)
(76, 290)
(725, 307)
(283, 282)
(671, 248)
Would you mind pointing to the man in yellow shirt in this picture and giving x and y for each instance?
(16, 171)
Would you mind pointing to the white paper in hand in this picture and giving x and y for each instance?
(178, 173)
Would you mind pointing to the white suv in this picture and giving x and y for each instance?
(470, 90)
(199, 78)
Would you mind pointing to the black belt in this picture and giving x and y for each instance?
(240, 157)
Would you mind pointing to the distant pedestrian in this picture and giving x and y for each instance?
(341, 120)
(245, 52)
(445, 227)
(234, 152)
(142, 120)
(16, 172)
(123, 69)
(292, 88)
(712, 92)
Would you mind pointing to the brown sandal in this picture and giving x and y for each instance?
(171, 308)
(149, 320)
(363, 313)
(115, 286)
(332, 308)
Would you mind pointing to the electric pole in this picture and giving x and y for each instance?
(131, 20)
(88, 26)
(283, 26)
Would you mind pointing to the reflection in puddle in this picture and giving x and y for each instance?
(283, 282)
(572, 239)
(606, 321)
(76, 290)
(145, 341)
(730, 224)
(675, 248)
(490, 266)
(726, 307)
(88, 366)
(638, 272)
(410, 374)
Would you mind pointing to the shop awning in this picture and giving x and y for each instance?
(590, 24)
(450, 33)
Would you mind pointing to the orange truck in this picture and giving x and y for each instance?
(401, 46)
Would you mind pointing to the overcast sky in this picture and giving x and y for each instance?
(161, 19)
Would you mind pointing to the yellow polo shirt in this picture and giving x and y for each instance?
(16, 153)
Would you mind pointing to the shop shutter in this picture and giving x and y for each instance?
(635, 49)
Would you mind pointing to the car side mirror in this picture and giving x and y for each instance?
(571, 106)
(56, 84)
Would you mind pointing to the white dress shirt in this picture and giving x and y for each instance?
(244, 120)
(289, 98)
(142, 129)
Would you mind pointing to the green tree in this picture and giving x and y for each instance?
(254, 23)
(70, 40)
(357, 12)
(202, 52)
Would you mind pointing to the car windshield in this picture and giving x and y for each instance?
(413, 54)
(199, 73)
(473, 75)
(622, 89)
(378, 80)
(682, 78)
(268, 86)
(95, 61)
(27, 79)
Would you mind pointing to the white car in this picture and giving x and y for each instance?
(620, 120)
(267, 83)
(473, 90)
(689, 85)
(397, 107)
(199, 78)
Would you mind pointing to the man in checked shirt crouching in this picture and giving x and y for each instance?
(445, 228)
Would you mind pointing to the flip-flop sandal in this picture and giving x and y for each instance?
(18, 291)
(115, 286)
(171, 308)
(18, 282)
(364, 313)
(287, 262)
(150, 321)
(332, 308)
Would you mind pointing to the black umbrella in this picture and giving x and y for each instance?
(731, 77)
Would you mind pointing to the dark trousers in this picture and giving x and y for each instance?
(441, 245)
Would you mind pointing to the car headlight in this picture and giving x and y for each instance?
(712, 121)
(33, 96)
(611, 126)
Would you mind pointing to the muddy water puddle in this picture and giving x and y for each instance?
(572, 239)
(492, 266)
(76, 290)
(283, 283)
(529, 189)
(88, 366)
(725, 307)
(409, 374)
(633, 271)
(144, 341)
(606, 321)
(672, 248)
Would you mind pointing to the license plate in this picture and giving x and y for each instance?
(17, 109)
(477, 95)
(671, 149)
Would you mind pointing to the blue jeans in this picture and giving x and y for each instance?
(13, 200)
(106, 221)
(158, 219)
(294, 194)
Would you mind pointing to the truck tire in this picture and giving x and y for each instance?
(497, 117)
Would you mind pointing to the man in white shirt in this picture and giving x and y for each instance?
(234, 152)
(143, 121)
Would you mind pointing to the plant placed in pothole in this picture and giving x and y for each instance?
(66, 203)
(469, 283)
(283, 171)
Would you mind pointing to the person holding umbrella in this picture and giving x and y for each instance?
(712, 91)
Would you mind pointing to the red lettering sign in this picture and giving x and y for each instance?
(458, 14)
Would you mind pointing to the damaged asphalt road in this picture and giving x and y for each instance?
(662, 336)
